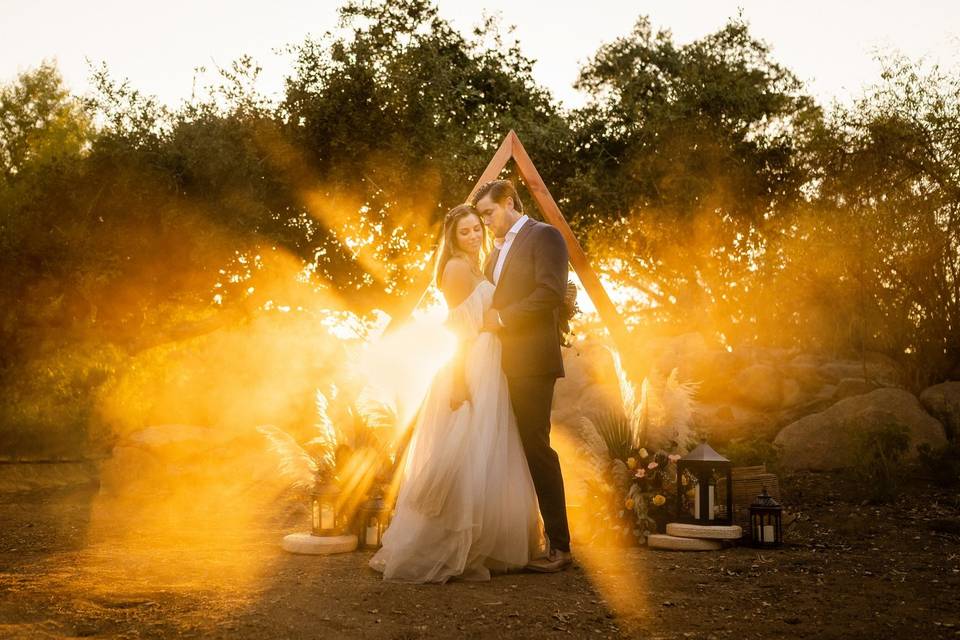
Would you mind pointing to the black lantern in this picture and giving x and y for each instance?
(766, 521)
(324, 509)
(704, 468)
(373, 518)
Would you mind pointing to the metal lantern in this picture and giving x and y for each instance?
(324, 509)
(766, 521)
(706, 468)
(373, 518)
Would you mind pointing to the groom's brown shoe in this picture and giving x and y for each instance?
(555, 561)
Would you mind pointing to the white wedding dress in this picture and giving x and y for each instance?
(467, 503)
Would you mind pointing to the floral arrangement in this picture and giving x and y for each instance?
(320, 459)
(633, 450)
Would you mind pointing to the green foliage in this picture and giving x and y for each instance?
(41, 122)
(49, 410)
(880, 453)
(702, 173)
(631, 490)
(633, 497)
(615, 431)
(749, 452)
(715, 123)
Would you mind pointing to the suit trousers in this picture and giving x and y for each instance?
(531, 398)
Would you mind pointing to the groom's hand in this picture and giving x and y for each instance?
(491, 320)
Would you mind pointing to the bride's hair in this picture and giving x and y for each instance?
(449, 246)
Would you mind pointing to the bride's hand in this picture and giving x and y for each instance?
(458, 395)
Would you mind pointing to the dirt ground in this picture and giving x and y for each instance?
(850, 570)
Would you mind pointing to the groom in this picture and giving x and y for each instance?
(529, 270)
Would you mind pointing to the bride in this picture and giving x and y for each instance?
(467, 504)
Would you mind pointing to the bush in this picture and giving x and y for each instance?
(881, 451)
(750, 452)
(943, 463)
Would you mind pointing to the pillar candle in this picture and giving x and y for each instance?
(696, 500)
(326, 516)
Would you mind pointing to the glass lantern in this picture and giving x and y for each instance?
(373, 518)
(766, 521)
(324, 509)
(710, 479)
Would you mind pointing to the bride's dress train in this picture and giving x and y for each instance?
(467, 503)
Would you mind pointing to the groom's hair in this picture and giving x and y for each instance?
(499, 190)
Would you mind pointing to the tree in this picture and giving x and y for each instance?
(395, 118)
(684, 153)
(40, 121)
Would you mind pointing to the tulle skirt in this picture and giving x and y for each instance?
(467, 504)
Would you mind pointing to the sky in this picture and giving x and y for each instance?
(830, 45)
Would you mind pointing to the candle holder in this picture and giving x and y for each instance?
(766, 521)
(373, 518)
(703, 470)
(324, 509)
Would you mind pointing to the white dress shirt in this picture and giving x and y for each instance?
(505, 249)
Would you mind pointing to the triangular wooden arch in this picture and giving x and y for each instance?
(511, 147)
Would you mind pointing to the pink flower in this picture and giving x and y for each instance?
(652, 465)
(674, 457)
(640, 473)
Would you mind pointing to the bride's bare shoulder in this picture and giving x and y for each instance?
(457, 281)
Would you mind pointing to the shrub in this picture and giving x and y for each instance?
(749, 452)
(943, 463)
(881, 451)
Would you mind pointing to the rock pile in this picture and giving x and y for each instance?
(810, 405)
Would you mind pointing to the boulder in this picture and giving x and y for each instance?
(177, 441)
(715, 372)
(759, 386)
(819, 401)
(805, 369)
(828, 440)
(874, 367)
(807, 375)
(723, 422)
(177, 458)
(943, 402)
(689, 353)
(792, 393)
(853, 387)
(806, 360)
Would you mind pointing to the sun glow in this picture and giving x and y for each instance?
(622, 295)
(398, 365)
(621, 586)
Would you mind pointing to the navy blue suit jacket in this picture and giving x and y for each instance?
(528, 297)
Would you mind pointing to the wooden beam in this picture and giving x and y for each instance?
(511, 147)
(496, 164)
(538, 189)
